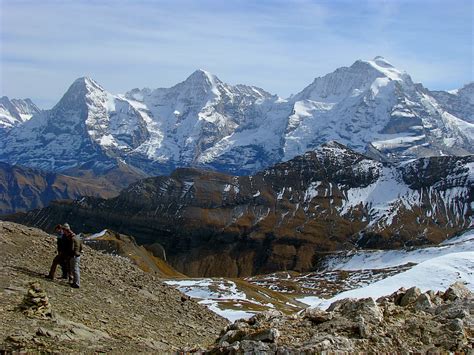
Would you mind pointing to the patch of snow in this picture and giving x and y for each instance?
(97, 235)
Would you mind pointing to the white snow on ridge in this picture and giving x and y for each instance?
(380, 259)
(381, 196)
(97, 235)
(399, 142)
(436, 274)
(383, 66)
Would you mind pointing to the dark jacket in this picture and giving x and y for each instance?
(74, 243)
(64, 245)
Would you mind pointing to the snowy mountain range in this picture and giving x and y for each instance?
(15, 112)
(370, 106)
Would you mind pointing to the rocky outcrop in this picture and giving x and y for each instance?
(406, 321)
(212, 224)
(151, 260)
(119, 308)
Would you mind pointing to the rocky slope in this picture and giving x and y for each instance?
(285, 217)
(459, 103)
(118, 308)
(406, 321)
(23, 189)
(370, 106)
(151, 260)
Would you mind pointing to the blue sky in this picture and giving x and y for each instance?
(280, 46)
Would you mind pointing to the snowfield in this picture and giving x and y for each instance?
(380, 259)
(437, 268)
(435, 274)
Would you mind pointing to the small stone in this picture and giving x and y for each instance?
(45, 332)
(456, 325)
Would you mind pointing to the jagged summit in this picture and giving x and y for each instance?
(201, 74)
(387, 69)
(78, 91)
(85, 83)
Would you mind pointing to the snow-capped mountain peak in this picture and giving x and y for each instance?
(15, 112)
(202, 81)
(77, 93)
(386, 68)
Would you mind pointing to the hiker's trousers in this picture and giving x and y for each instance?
(76, 270)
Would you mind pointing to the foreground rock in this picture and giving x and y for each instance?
(407, 320)
(118, 308)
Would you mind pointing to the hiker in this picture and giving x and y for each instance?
(62, 258)
(75, 252)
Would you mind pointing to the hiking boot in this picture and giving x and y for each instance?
(75, 286)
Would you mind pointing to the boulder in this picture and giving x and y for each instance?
(317, 315)
(455, 291)
(266, 335)
(364, 307)
(423, 302)
(410, 296)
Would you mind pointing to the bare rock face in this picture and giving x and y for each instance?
(362, 325)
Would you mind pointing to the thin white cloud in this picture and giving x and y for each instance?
(278, 45)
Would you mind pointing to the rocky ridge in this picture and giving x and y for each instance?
(23, 189)
(407, 321)
(118, 308)
(284, 217)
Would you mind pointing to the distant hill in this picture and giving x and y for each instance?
(23, 189)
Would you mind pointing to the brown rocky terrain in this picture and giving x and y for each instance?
(119, 308)
(284, 218)
(406, 321)
(23, 189)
